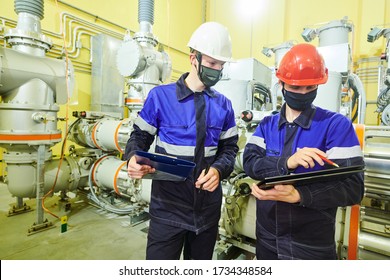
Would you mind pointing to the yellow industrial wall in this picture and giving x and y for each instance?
(278, 21)
(275, 22)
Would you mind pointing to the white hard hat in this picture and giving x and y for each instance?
(212, 39)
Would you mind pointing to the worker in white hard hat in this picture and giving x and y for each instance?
(192, 121)
(211, 43)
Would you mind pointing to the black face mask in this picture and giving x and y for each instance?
(297, 101)
(207, 75)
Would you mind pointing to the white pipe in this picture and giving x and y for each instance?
(374, 242)
(21, 68)
(107, 174)
(69, 177)
(107, 134)
(362, 96)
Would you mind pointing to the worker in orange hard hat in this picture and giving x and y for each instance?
(297, 220)
(301, 70)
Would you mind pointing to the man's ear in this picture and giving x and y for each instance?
(192, 57)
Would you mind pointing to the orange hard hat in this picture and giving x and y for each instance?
(302, 65)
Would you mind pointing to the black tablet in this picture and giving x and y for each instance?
(310, 177)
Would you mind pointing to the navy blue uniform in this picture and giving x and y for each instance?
(305, 230)
(178, 207)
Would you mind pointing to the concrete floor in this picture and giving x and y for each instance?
(92, 233)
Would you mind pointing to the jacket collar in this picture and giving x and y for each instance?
(182, 91)
(304, 120)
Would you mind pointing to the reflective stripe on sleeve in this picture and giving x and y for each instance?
(229, 133)
(258, 141)
(344, 152)
(143, 125)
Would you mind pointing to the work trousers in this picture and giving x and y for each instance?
(269, 250)
(166, 242)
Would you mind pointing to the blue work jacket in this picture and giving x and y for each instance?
(169, 115)
(305, 229)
